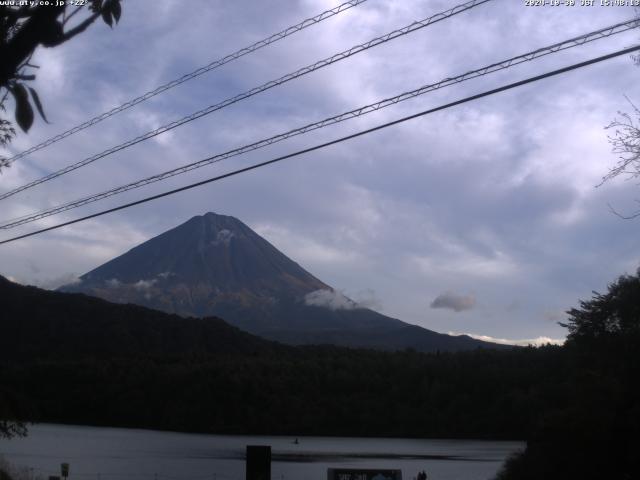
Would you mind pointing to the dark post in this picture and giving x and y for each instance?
(64, 469)
(258, 462)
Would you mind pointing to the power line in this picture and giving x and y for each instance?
(573, 42)
(189, 76)
(417, 25)
(333, 142)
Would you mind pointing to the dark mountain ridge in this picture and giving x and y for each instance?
(215, 265)
(39, 323)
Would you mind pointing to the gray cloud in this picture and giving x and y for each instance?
(453, 301)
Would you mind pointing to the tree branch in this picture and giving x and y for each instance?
(624, 217)
(4, 97)
(76, 30)
(77, 9)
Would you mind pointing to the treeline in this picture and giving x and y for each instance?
(299, 391)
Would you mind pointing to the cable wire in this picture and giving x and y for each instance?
(266, 86)
(332, 142)
(189, 76)
(504, 64)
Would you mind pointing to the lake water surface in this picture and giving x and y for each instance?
(124, 454)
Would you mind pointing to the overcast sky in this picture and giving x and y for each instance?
(481, 219)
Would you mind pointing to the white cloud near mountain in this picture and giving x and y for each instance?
(49, 283)
(535, 342)
(223, 237)
(144, 284)
(66, 279)
(367, 298)
(338, 300)
(331, 299)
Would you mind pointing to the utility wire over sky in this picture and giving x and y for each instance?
(417, 25)
(336, 141)
(502, 65)
(189, 76)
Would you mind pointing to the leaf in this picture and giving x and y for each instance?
(116, 9)
(36, 100)
(106, 16)
(24, 112)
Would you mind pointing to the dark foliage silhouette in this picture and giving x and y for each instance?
(593, 432)
(23, 28)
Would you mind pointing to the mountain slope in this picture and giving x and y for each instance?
(215, 265)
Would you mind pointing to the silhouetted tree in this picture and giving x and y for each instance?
(591, 430)
(615, 312)
(625, 142)
(10, 425)
(12, 428)
(25, 27)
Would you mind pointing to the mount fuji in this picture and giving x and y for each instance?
(215, 265)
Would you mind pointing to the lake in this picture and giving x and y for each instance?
(123, 454)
